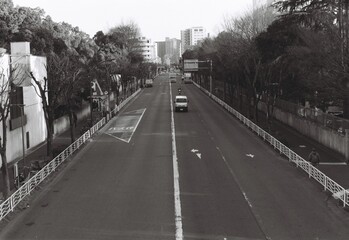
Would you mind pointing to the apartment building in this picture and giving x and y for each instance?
(148, 49)
(191, 37)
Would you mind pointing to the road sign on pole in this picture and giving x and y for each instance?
(191, 65)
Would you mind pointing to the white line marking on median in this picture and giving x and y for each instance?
(135, 128)
(177, 199)
(199, 155)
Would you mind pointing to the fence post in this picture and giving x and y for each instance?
(345, 198)
(11, 204)
(310, 169)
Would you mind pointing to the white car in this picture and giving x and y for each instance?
(148, 82)
(181, 103)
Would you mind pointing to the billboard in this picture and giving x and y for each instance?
(191, 65)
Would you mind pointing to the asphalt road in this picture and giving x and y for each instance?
(231, 184)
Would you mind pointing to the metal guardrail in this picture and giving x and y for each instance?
(10, 203)
(313, 172)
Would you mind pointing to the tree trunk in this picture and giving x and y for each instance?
(255, 106)
(5, 176)
(72, 122)
(50, 130)
(225, 89)
(4, 167)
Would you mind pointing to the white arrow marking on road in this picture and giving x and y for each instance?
(199, 155)
(194, 150)
(250, 155)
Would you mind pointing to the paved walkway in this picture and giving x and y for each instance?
(60, 142)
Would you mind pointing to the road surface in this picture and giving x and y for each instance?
(152, 173)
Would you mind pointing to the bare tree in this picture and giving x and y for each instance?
(7, 86)
(4, 113)
(55, 90)
(244, 30)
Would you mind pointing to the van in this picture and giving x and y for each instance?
(181, 103)
(187, 78)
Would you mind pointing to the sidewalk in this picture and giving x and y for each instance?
(332, 163)
(39, 152)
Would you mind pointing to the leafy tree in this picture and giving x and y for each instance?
(329, 21)
(8, 22)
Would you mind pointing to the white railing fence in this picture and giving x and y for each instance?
(10, 203)
(312, 171)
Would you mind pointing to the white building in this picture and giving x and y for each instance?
(148, 49)
(22, 62)
(191, 37)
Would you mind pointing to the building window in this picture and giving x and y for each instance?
(16, 97)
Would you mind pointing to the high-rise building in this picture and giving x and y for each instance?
(161, 49)
(169, 50)
(173, 49)
(191, 37)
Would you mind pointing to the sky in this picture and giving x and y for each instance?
(157, 19)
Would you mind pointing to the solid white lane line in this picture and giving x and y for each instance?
(177, 199)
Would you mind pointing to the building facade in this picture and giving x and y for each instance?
(191, 37)
(169, 51)
(26, 118)
(148, 49)
(161, 50)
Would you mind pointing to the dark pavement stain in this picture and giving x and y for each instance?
(55, 191)
(44, 205)
(30, 224)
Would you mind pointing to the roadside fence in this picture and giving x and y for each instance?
(10, 203)
(123, 103)
(329, 185)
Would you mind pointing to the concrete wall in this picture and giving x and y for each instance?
(325, 136)
(62, 124)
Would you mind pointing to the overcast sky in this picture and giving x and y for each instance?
(157, 19)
